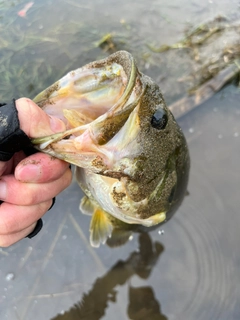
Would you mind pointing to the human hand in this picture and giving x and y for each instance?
(28, 183)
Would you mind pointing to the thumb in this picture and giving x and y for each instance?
(35, 122)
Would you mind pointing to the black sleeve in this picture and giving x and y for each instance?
(12, 138)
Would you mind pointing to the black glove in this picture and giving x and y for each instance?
(12, 138)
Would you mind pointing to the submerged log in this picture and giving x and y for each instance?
(205, 91)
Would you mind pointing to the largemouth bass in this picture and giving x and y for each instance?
(131, 157)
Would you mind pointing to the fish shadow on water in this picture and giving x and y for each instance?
(142, 303)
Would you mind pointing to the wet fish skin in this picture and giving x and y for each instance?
(132, 159)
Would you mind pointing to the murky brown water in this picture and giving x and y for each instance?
(186, 269)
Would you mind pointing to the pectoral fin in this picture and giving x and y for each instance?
(87, 206)
(100, 227)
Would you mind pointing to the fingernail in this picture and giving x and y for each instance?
(56, 124)
(28, 172)
(3, 190)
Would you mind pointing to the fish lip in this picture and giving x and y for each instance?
(59, 88)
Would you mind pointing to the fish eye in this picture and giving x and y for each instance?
(159, 119)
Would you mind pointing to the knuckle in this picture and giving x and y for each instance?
(43, 207)
(31, 199)
(46, 205)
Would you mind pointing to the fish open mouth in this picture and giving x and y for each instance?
(97, 98)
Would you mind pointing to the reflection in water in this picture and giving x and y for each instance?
(143, 305)
(142, 302)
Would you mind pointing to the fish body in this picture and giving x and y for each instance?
(131, 157)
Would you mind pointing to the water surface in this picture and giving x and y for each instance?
(186, 269)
